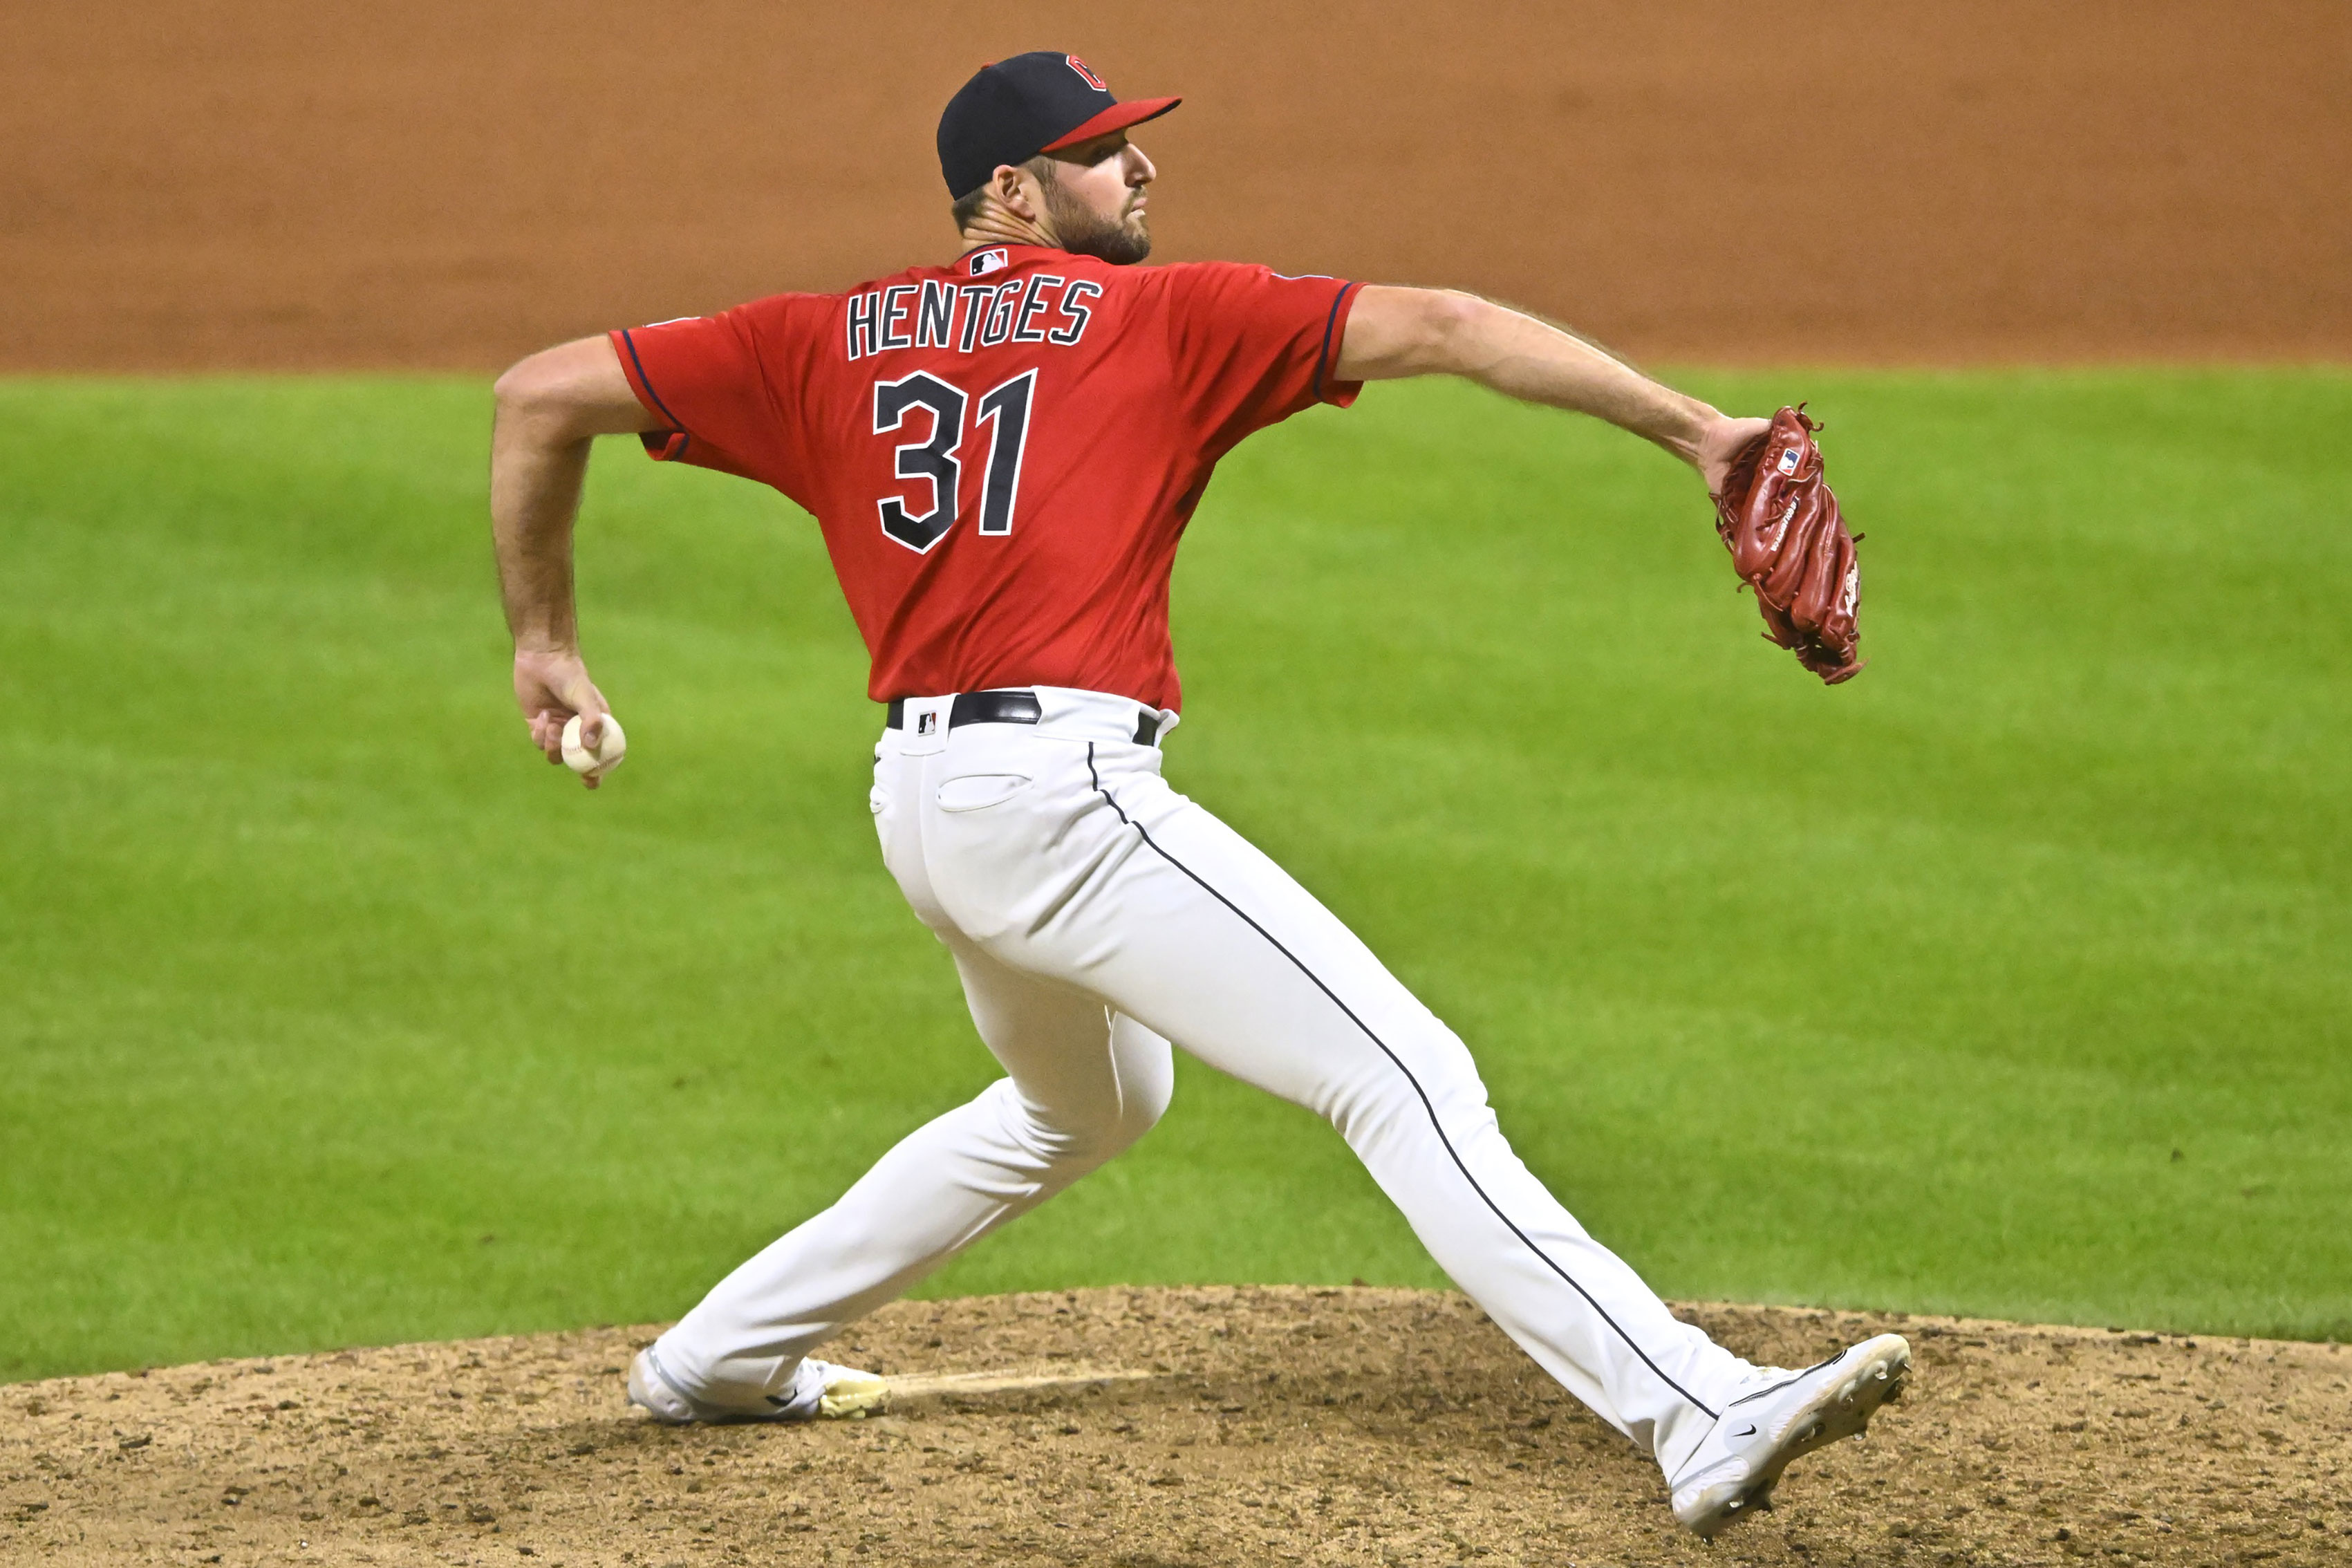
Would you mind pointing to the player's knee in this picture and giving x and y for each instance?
(1115, 1129)
(1143, 1100)
(1144, 1074)
(1071, 1151)
(1077, 1138)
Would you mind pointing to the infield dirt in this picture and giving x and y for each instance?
(1283, 1424)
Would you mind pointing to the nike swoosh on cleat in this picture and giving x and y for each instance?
(1748, 1431)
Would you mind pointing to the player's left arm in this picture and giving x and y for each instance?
(1394, 333)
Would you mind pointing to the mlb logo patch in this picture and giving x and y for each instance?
(927, 723)
(1789, 462)
(989, 261)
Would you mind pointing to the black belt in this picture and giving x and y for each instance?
(1010, 708)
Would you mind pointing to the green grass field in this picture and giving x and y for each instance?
(2011, 979)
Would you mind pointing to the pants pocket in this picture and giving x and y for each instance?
(978, 792)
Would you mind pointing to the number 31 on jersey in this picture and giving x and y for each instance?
(934, 457)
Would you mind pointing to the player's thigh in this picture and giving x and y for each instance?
(1228, 955)
(1076, 1064)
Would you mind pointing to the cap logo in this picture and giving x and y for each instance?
(989, 261)
(1092, 81)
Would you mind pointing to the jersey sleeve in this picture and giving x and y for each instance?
(714, 381)
(1252, 347)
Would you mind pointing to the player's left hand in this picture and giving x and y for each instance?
(551, 686)
(1722, 442)
(1780, 520)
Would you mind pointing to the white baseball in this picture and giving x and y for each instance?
(613, 747)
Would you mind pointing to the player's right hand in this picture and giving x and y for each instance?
(551, 685)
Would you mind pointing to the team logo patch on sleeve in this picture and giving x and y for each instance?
(979, 264)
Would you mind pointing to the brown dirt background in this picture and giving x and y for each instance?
(271, 184)
(1283, 1424)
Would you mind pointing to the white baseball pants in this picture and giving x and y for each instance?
(1096, 915)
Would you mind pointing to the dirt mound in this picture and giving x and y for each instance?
(453, 183)
(1301, 1425)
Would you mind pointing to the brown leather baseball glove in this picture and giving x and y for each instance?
(1788, 543)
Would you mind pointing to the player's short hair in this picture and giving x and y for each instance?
(967, 205)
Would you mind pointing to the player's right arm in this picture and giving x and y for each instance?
(550, 408)
(1396, 332)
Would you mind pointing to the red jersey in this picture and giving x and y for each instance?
(1002, 453)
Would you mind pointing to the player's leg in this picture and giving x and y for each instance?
(1081, 1086)
(1097, 873)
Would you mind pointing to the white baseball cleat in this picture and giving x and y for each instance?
(1731, 1473)
(821, 1391)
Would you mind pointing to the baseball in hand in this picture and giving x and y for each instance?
(610, 749)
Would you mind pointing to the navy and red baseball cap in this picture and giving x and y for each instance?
(1037, 102)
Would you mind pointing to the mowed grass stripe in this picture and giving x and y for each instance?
(1901, 995)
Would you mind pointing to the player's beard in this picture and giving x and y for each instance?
(1083, 231)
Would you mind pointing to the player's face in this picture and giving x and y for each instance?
(1097, 199)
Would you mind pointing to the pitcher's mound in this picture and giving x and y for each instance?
(1158, 1427)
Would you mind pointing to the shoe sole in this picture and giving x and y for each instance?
(845, 1399)
(853, 1399)
(1842, 1409)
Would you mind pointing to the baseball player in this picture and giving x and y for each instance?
(1002, 453)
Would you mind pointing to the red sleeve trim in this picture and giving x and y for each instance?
(1340, 393)
(666, 446)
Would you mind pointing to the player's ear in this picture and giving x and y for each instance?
(1012, 189)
